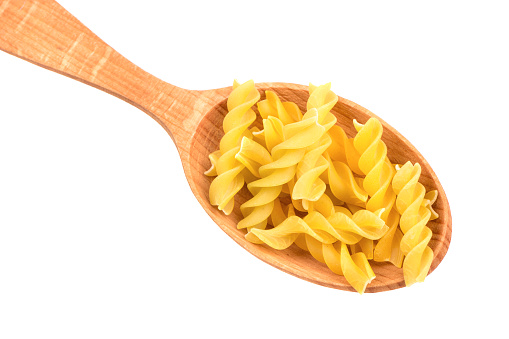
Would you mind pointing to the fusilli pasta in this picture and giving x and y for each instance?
(337, 197)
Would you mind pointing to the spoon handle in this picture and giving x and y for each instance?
(44, 33)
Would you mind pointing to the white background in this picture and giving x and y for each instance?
(100, 236)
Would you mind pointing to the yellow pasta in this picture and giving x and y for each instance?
(342, 149)
(322, 99)
(228, 182)
(309, 186)
(337, 197)
(344, 185)
(284, 234)
(414, 217)
(375, 165)
(287, 112)
(388, 247)
(331, 254)
(356, 269)
(342, 226)
(240, 115)
(286, 155)
(229, 178)
(365, 246)
(213, 157)
(336, 256)
(428, 201)
(253, 155)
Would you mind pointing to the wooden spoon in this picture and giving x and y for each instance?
(44, 33)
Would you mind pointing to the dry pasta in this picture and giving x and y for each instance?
(344, 201)
(375, 165)
(286, 155)
(414, 217)
(229, 179)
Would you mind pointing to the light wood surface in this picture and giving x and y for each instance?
(44, 33)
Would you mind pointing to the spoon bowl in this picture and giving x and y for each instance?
(44, 33)
(294, 260)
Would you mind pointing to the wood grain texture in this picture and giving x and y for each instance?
(44, 33)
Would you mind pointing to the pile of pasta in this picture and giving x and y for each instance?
(339, 198)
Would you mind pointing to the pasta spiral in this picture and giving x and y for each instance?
(287, 112)
(414, 217)
(286, 155)
(318, 235)
(323, 100)
(342, 148)
(228, 182)
(342, 157)
(336, 197)
(344, 185)
(373, 162)
(229, 178)
(240, 115)
(253, 155)
(341, 226)
(388, 247)
(309, 186)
